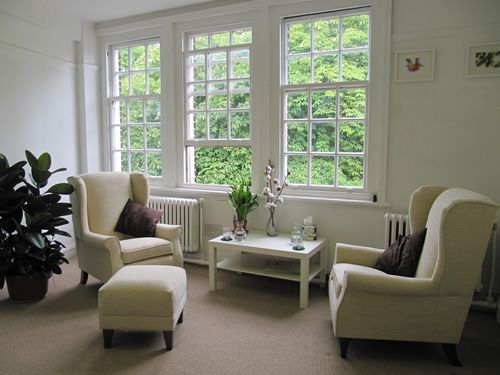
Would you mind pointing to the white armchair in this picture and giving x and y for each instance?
(432, 306)
(98, 201)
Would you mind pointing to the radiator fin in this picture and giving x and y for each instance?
(395, 224)
(184, 212)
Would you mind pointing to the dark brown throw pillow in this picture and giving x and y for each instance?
(401, 258)
(137, 220)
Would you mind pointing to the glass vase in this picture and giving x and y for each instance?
(240, 233)
(271, 227)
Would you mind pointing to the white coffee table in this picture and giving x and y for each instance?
(259, 254)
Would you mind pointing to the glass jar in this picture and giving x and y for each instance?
(297, 237)
(240, 233)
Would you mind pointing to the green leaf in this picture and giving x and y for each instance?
(40, 218)
(59, 170)
(44, 161)
(36, 239)
(32, 160)
(40, 176)
(37, 254)
(4, 163)
(62, 188)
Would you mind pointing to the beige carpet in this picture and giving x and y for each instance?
(251, 325)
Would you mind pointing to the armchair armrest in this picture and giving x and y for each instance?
(173, 234)
(387, 284)
(361, 255)
(109, 243)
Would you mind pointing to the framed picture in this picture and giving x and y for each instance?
(483, 60)
(417, 65)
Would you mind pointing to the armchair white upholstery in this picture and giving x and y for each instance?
(98, 201)
(432, 306)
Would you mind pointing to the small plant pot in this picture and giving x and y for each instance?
(27, 289)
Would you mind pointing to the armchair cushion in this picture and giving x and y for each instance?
(138, 220)
(136, 249)
(401, 258)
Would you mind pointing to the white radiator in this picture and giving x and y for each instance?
(185, 212)
(395, 224)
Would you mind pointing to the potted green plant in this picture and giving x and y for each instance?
(243, 201)
(29, 221)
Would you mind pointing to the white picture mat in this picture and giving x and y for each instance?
(425, 71)
(473, 70)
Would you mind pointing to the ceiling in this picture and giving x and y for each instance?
(103, 10)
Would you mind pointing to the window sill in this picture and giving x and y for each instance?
(219, 194)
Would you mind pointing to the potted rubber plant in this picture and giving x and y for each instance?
(243, 201)
(30, 214)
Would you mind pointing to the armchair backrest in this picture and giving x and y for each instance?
(458, 224)
(99, 199)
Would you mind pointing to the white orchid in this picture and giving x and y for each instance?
(273, 188)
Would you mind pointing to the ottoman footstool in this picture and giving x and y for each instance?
(143, 298)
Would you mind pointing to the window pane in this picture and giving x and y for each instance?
(217, 101)
(240, 125)
(240, 86)
(137, 57)
(137, 162)
(326, 34)
(242, 36)
(296, 136)
(323, 136)
(217, 122)
(154, 164)
(153, 137)
(355, 66)
(196, 89)
(138, 83)
(200, 41)
(218, 65)
(324, 103)
(119, 112)
(197, 103)
(153, 110)
(299, 70)
(351, 136)
(154, 55)
(352, 103)
(136, 137)
(196, 68)
(326, 68)
(297, 166)
(123, 88)
(217, 88)
(299, 37)
(219, 39)
(119, 137)
(154, 83)
(297, 105)
(351, 171)
(135, 112)
(123, 59)
(323, 170)
(221, 165)
(197, 126)
(240, 69)
(120, 161)
(355, 31)
(240, 101)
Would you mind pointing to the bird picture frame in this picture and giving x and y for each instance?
(414, 65)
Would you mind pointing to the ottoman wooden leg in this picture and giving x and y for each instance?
(107, 335)
(84, 276)
(169, 338)
(181, 317)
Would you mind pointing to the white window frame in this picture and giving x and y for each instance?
(286, 88)
(188, 156)
(115, 151)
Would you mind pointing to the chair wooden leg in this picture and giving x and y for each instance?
(169, 338)
(84, 276)
(451, 353)
(344, 345)
(181, 317)
(107, 335)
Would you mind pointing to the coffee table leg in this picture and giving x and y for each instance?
(212, 267)
(322, 263)
(304, 282)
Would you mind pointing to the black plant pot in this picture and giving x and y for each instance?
(27, 289)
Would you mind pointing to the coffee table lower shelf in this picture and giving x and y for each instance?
(255, 265)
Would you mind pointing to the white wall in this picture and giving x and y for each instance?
(38, 95)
